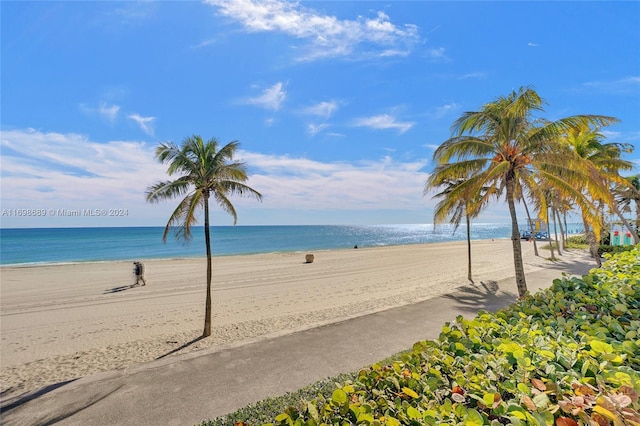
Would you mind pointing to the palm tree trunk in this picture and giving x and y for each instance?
(207, 241)
(553, 255)
(535, 246)
(555, 230)
(521, 282)
(469, 248)
(591, 240)
(562, 234)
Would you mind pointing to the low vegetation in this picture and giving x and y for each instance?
(568, 355)
(577, 242)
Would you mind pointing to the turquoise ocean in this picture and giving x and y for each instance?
(64, 245)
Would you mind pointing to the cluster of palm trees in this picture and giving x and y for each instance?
(562, 165)
(499, 150)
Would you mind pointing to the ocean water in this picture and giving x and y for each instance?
(62, 245)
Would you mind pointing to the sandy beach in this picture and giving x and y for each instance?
(61, 322)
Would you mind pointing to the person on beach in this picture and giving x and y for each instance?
(138, 270)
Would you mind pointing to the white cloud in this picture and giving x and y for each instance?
(271, 98)
(326, 36)
(108, 112)
(145, 123)
(322, 109)
(69, 171)
(609, 134)
(445, 109)
(438, 54)
(431, 146)
(304, 184)
(314, 129)
(532, 44)
(383, 121)
(478, 75)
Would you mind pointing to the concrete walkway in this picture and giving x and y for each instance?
(190, 388)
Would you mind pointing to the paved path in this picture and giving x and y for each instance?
(186, 389)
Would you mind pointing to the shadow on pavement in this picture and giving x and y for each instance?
(186, 345)
(483, 296)
(21, 399)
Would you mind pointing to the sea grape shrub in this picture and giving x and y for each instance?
(568, 355)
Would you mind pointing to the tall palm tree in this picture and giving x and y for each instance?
(204, 172)
(601, 161)
(454, 205)
(503, 146)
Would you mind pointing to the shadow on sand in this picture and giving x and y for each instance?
(186, 345)
(121, 288)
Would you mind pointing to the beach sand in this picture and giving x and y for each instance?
(61, 322)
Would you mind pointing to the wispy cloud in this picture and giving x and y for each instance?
(383, 121)
(322, 109)
(108, 112)
(302, 184)
(530, 44)
(145, 123)
(627, 85)
(438, 54)
(271, 98)
(443, 110)
(314, 129)
(70, 171)
(476, 75)
(326, 36)
(431, 146)
(135, 10)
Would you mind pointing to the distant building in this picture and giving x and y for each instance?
(620, 235)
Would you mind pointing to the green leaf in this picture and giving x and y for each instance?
(413, 413)
(313, 410)
(541, 400)
(598, 347)
(488, 399)
(546, 354)
(523, 388)
(391, 421)
(473, 418)
(282, 417)
(339, 397)
(410, 392)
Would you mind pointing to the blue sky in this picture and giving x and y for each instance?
(338, 105)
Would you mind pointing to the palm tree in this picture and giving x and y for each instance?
(601, 161)
(204, 172)
(627, 194)
(501, 145)
(454, 204)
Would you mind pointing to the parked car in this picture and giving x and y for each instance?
(525, 235)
